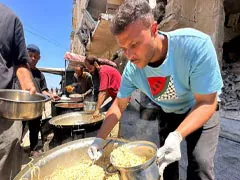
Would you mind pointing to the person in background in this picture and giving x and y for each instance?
(179, 72)
(39, 78)
(82, 82)
(75, 58)
(13, 61)
(41, 85)
(81, 59)
(109, 81)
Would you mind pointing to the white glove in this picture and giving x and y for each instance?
(169, 152)
(95, 151)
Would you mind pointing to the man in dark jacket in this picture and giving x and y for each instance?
(13, 60)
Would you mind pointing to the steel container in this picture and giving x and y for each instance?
(67, 155)
(89, 106)
(76, 119)
(20, 105)
(146, 171)
(75, 125)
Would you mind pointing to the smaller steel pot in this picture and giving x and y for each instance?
(20, 105)
(148, 170)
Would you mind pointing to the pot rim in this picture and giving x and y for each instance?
(90, 102)
(76, 95)
(58, 105)
(141, 166)
(54, 119)
(46, 98)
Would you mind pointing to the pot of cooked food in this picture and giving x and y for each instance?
(74, 125)
(136, 160)
(71, 162)
(64, 99)
(76, 97)
(68, 107)
(20, 105)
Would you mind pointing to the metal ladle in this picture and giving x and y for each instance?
(94, 160)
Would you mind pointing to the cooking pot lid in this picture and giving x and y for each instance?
(75, 118)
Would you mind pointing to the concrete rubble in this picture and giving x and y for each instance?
(204, 15)
(230, 97)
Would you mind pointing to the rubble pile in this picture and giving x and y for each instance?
(230, 97)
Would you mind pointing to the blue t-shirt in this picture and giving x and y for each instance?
(191, 66)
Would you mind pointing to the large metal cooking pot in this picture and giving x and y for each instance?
(67, 155)
(148, 170)
(63, 108)
(75, 119)
(20, 105)
(73, 124)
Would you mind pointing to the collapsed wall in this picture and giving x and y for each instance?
(230, 97)
(204, 15)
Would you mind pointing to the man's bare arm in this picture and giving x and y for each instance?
(112, 117)
(25, 78)
(101, 97)
(204, 108)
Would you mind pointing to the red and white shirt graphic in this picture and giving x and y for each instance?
(162, 88)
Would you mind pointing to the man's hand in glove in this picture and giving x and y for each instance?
(95, 151)
(169, 152)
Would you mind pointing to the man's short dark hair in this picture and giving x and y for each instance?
(129, 12)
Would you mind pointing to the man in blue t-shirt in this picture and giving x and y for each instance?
(179, 72)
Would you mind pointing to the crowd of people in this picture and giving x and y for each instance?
(177, 70)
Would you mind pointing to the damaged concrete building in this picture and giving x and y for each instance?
(218, 18)
(91, 34)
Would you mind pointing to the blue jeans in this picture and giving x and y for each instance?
(201, 146)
